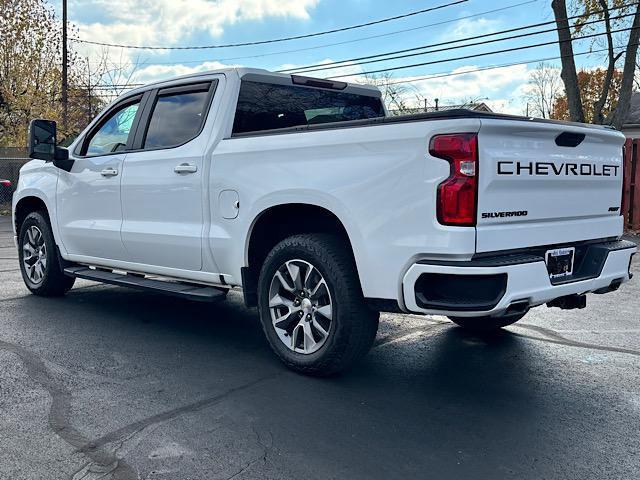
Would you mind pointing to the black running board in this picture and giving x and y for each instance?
(201, 293)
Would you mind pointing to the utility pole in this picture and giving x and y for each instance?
(90, 98)
(65, 99)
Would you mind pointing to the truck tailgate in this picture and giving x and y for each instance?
(547, 184)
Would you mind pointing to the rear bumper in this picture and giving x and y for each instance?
(495, 285)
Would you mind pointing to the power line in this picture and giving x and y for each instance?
(363, 60)
(450, 74)
(447, 48)
(440, 74)
(276, 40)
(118, 85)
(105, 88)
(109, 87)
(495, 67)
(465, 72)
(466, 57)
(345, 42)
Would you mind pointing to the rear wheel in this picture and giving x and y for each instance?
(311, 305)
(488, 323)
(39, 261)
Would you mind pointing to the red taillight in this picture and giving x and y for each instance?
(457, 195)
(5, 183)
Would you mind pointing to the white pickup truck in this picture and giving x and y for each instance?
(324, 210)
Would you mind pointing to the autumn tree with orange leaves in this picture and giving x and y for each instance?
(31, 70)
(590, 84)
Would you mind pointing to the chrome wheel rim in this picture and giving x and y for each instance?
(300, 306)
(34, 255)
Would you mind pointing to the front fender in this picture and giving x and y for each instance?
(39, 180)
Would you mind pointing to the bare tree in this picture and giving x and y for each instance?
(116, 76)
(543, 88)
(396, 96)
(97, 80)
(611, 64)
(628, 72)
(628, 40)
(569, 74)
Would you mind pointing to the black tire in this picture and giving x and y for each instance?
(354, 325)
(54, 282)
(488, 323)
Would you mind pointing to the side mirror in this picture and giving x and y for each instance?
(43, 144)
(42, 140)
(61, 159)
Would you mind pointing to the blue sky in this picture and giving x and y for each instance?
(201, 22)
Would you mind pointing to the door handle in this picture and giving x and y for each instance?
(185, 168)
(109, 172)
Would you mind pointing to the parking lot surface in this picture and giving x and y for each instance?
(115, 383)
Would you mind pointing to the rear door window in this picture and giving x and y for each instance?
(265, 106)
(177, 116)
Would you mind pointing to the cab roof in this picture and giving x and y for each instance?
(266, 76)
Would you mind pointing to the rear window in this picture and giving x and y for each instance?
(265, 106)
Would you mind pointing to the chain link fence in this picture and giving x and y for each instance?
(11, 160)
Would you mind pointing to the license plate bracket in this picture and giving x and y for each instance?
(560, 262)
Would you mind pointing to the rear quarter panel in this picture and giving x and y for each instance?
(379, 181)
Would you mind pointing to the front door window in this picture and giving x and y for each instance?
(112, 136)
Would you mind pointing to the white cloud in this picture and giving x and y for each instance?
(154, 73)
(470, 27)
(164, 22)
(500, 88)
(513, 105)
(168, 22)
(346, 68)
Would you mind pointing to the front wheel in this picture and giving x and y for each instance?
(39, 262)
(311, 305)
(488, 323)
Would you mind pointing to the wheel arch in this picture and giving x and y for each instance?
(268, 229)
(26, 205)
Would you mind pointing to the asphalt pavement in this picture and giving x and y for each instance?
(119, 384)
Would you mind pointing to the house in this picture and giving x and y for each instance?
(479, 107)
(631, 126)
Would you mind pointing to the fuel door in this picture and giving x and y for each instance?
(229, 203)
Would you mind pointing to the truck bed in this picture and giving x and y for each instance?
(452, 114)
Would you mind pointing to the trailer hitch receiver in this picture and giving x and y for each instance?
(569, 302)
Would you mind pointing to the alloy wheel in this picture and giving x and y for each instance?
(300, 306)
(34, 255)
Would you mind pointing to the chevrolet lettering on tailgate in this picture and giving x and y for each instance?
(550, 168)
